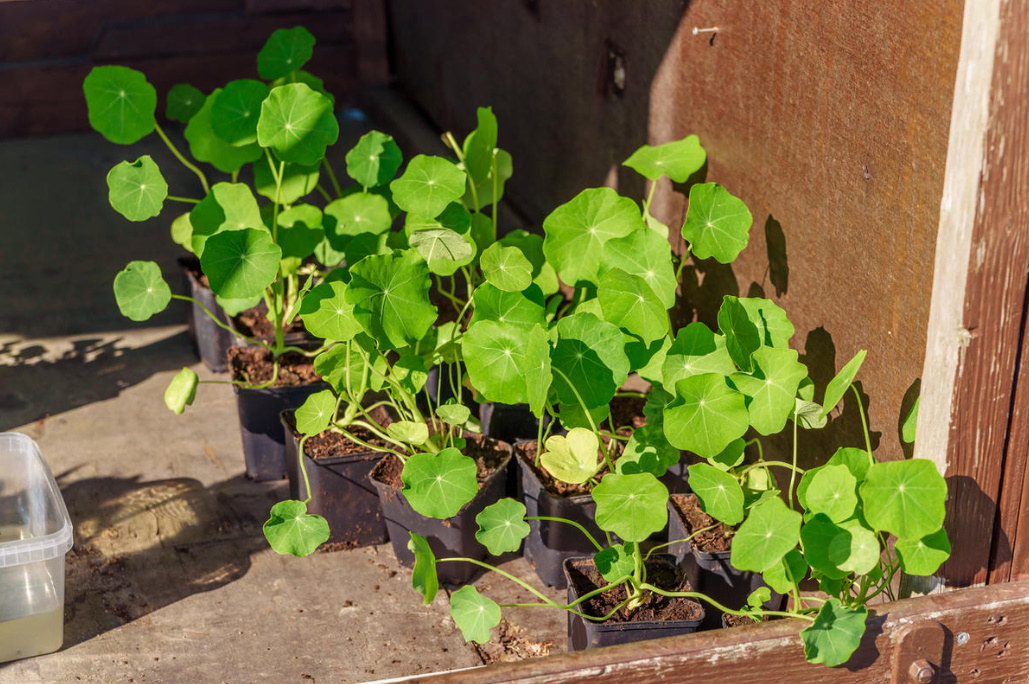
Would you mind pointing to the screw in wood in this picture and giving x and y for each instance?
(713, 29)
(921, 672)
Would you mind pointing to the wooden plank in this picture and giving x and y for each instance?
(1004, 216)
(985, 640)
(370, 34)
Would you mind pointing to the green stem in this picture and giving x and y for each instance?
(764, 464)
(303, 469)
(864, 425)
(793, 471)
(185, 162)
(332, 177)
(650, 197)
(634, 395)
(760, 449)
(187, 200)
(589, 417)
(235, 176)
(324, 192)
(493, 170)
(707, 599)
(682, 262)
(371, 447)
(568, 522)
(252, 340)
(679, 541)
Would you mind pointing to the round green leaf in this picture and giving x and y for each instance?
(297, 123)
(706, 415)
(577, 231)
(444, 250)
(439, 485)
(502, 526)
(531, 245)
(572, 416)
(773, 326)
(453, 414)
(924, 556)
(629, 303)
(591, 353)
(297, 181)
(412, 373)
(647, 451)
(182, 232)
(485, 190)
(741, 336)
(183, 102)
(835, 634)
(615, 562)
(572, 458)
(855, 548)
(776, 576)
(720, 494)
(374, 160)
(537, 370)
(454, 217)
(121, 103)
(300, 231)
(831, 490)
(696, 350)
(316, 413)
(769, 532)
(837, 387)
(645, 254)
(341, 365)
(856, 460)
(181, 391)
(817, 536)
(423, 576)
(474, 614)
(808, 415)
(494, 354)
(631, 506)
(292, 530)
(206, 146)
(351, 217)
(479, 145)
(234, 307)
(678, 160)
(409, 431)
(523, 308)
(730, 457)
(137, 191)
(285, 51)
(772, 388)
(327, 314)
(717, 224)
(390, 296)
(905, 498)
(240, 263)
(236, 109)
(140, 290)
(907, 428)
(506, 268)
(229, 206)
(428, 185)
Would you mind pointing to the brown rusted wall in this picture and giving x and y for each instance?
(829, 119)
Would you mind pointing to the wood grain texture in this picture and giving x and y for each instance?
(830, 120)
(994, 619)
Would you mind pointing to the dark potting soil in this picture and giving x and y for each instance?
(331, 444)
(563, 490)
(710, 541)
(488, 457)
(655, 606)
(254, 323)
(742, 620)
(627, 412)
(254, 365)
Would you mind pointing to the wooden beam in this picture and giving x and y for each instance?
(983, 633)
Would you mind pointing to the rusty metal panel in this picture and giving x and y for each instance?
(829, 119)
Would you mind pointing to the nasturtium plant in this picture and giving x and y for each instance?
(374, 160)
(236, 109)
(502, 526)
(677, 160)
(572, 458)
(423, 575)
(121, 103)
(316, 413)
(720, 493)
(428, 185)
(494, 354)
(327, 313)
(439, 485)
(706, 415)
(141, 291)
(297, 123)
(241, 263)
(137, 190)
(292, 530)
(286, 51)
(390, 297)
(181, 391)
(904, 498)
(506, 268)
(184, 101)
(474, 614)
(717, 224)
(631, 506)
(207, 146)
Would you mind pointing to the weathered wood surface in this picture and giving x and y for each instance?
(829, 119)
(984, 632)
(48, 46)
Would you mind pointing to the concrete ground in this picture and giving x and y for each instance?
(170, 579)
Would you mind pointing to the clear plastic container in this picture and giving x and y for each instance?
(35, 535)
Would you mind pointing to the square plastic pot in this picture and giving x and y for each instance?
(509, 422)
(264, 440)
(35, 535)
(211, 341)
(712, 574)
(340, 491)
(453, 537)
(585, 634)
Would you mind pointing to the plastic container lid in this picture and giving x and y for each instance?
(31, 505)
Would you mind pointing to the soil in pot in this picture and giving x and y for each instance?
(210, 340)
(705, 559)
(658, 616)
(454, 536)
(254, 323)
(337, 470)
(264, 439)
(628, 411)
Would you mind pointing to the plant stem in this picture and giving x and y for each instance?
(793, 471)
(682, 262)
(589, 417)
(303, 468)
(679, 541)
(493, 170)
(332, 177)
(185, 162)
(188, 200)
(568, 522)
(324, 192)
(719, 606)
(864, 425)
(251, 340)
(449, 137)
(765, 464)
(235, 176)
(650, 197)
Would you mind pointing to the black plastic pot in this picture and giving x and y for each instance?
(447, 538)
(264, 440)
(509, 422)
(549, 544)
(210, 341)
(677, 478)
(584, 634)
(340, 491)
(298, 338)
(712, 574)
